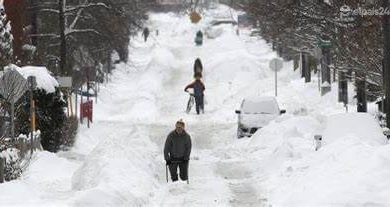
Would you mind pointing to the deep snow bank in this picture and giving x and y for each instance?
(350, 169)
(119, 171)
(361, 126)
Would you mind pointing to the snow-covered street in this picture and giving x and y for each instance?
(119, 160)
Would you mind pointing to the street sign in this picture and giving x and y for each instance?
(276, 64)
(12, 87)
(65, 82)
(324, 43)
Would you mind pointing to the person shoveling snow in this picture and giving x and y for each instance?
(177, 152)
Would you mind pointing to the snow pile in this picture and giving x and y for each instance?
(118, 172)
(44, 80)
(360, 126)
(350, 169)
(10, 154)
(47, 175)
(43, 77)
(36, 135)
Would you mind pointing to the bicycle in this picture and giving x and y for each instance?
(191, 102)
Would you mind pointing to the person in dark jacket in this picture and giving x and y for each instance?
(146, 33)
(199, 89)
(199, 38)
(177, 151)
(198, 67)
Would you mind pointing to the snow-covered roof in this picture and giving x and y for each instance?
(44, 79)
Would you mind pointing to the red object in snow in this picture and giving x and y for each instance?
(86, 110)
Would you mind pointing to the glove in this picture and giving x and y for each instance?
(168, 162)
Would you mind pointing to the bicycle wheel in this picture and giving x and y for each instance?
(189, 105)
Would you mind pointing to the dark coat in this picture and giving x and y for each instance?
(198, 87)
(177, 146)
(145, 32)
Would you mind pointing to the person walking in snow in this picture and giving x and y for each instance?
(198, 67)
(177, 151)
(199, 38)
(146, 33)
(199, 89)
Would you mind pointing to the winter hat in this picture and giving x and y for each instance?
(180, 122)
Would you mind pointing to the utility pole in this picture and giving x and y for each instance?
(61, 5)
(386, 56)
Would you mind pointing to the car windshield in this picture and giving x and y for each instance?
(261, 107)
(219, 22)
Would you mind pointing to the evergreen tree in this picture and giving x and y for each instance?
(51, 119)
(5, 40)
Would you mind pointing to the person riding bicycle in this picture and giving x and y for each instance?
(199, 89)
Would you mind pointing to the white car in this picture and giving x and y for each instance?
(216, 27)
(255, 113)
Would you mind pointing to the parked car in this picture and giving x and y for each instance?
(255, 113)
(216, 27)
(217, 22)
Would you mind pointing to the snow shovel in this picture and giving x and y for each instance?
(188, 172)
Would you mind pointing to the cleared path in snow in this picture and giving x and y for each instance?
(218, 176)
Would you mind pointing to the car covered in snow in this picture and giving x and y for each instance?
(255, 113)
(216, 27)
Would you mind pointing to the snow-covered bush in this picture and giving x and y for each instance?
(69, 132)
(13, 168)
